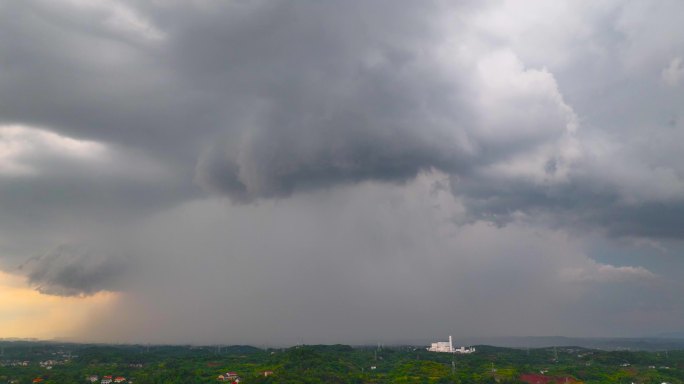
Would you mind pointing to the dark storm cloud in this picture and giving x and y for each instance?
(69, 270)
(313, 99)
(261, 99)
(318, 100)
(293, 95)
(582, 204)
(333, 139)
(328, 116)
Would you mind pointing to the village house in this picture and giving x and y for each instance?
(232, 377)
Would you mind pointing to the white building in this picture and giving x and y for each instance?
(448, 346)
(465, 350)
(442, 346)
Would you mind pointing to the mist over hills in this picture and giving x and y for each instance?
(605, 343)
(662, 342)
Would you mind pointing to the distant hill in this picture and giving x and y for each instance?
(671, 335)
(660, 343)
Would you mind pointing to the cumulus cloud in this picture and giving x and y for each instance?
(620, 173)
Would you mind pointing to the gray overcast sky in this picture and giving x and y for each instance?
(346, 171)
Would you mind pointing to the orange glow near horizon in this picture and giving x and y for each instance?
(26, 313)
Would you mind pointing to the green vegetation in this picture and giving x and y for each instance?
(23, 362)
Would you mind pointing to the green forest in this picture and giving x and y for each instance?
(52, 363)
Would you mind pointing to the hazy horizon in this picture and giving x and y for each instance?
(270, 172)
(648, 343)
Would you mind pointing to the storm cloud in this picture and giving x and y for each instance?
(373, 154)
(74, 270)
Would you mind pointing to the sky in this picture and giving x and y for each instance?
(280, 172)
